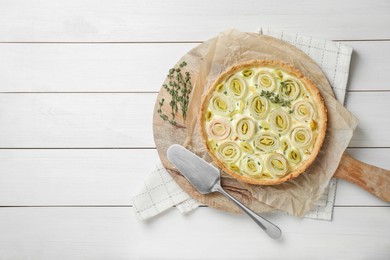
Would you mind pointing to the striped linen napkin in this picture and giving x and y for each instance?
(160, 192)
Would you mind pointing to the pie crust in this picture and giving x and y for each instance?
(263, 122)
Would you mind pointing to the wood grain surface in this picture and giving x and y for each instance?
(74, 77)
(151, 21)
(371, 178)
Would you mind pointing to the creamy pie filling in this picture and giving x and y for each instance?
(261, 123)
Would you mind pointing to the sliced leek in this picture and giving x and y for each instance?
(229, 152)
(279, 121)
(221, 105)
(219, 129)
(251, 165)
(266, 142)
(246, 147)
(284, 145)
(294, 156)
(265, 80)
(237, 87)
(209, 115)
(276, 165)
(245, 128)
(301, 137)
(258, 106)
(290, 89)
(247, 73)
(303, 111)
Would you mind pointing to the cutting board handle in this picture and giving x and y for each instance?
(371, 178)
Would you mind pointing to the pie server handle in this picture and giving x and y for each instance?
(272, 230)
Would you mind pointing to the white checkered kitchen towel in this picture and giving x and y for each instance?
(160, 192)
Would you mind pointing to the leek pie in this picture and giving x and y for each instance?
(263, 122)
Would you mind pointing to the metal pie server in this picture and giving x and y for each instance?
(206, 179)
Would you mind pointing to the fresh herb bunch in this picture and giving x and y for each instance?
(179, 87)
(275, 98)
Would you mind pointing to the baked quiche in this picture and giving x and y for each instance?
(263, 122)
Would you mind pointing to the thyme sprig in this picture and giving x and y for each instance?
(179, 88)
(275, 98)
(159, 111)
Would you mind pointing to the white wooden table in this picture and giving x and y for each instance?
(74, 77)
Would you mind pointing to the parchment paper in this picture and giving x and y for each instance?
(230, 47)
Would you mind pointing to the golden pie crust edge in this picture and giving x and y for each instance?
(318, 103)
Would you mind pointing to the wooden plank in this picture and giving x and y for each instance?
(138, 67)
(368, 64)
(45, 177)
(372, 109)
(87, 67)
(76, 120)
(176, 20)
(116, 233)
(73, 177)
(115, 120)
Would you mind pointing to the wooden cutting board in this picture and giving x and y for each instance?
(373, 179)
